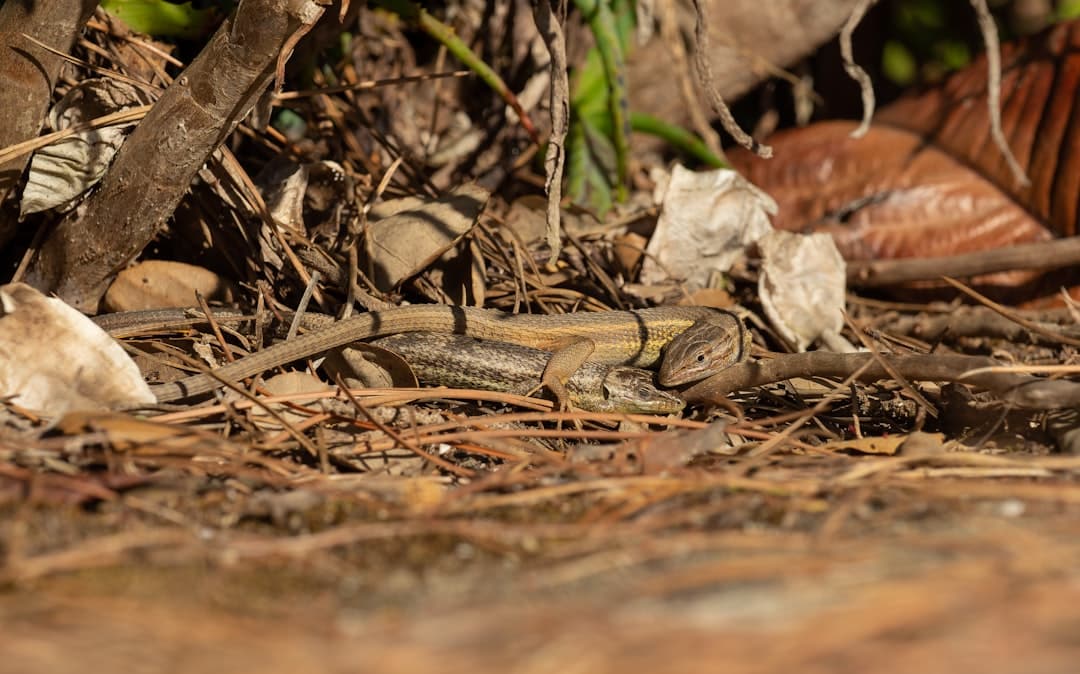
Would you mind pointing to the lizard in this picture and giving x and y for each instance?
(688, 343)
(461, 361)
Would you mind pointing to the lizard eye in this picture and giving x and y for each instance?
(701, 358)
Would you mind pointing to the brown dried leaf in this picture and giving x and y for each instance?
(370, 366)
(1040, 77)
(157, 284)
(526, 218)
(406, 242)
(885, 195)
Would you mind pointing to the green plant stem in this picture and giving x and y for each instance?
(677, 137)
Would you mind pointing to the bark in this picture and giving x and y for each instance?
(156, 165)
(28, 73)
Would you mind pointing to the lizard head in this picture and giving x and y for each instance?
(632, 391)
(705, 348)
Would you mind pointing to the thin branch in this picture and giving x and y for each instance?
(1009, 313)
(866, 87)
(993, 88)
(706, 79)
(547, 23)
(1042, 255)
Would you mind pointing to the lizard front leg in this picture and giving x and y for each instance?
(567, 356)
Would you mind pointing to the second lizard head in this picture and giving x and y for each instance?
(705, 348)
(632, 391)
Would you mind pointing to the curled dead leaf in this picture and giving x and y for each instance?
(802, 286)
(707, 222)
(62, 171)
(54, 359)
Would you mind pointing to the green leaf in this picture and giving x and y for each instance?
(677, 137)
(164, 19)
(953, 54)
(898, 63)
(1068, 9)
(589, 167)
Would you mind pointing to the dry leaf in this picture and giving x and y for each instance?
(888, 194)
(283, 185)
(62, 171)
(927, 181)
(628, 250)
(370, 366)
(285, 384)
(802, 286)
(406, 242)
(155, 284)
(306, 198)
(710, 297)
(123, 432)
(54, 360)
(460, 274)
(707, 222)
(885, 445)
(527, 218)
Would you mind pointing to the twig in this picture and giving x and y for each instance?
(703, 71)
(866, 87)
(1042, 255)
(126, 116)
(773, 443)
(1009, 313)
(969, 321)
(672, 37)
(550, 29)
(367, 84)
(301, 307)
(899, 378)
(400, 439)
(993, 88)
(215, 327)
(1020, 390)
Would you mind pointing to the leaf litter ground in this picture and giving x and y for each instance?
(829, 528)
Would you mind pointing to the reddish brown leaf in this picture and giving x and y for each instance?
(1039, 117)
(927, 180)
(886, 195)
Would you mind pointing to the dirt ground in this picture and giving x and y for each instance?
(950, 562)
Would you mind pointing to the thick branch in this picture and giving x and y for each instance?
(1021, 390)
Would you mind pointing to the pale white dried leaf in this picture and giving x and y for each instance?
(283, 186)
(64, 170)
(54, 359)
(707, 222)
(802, 285)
